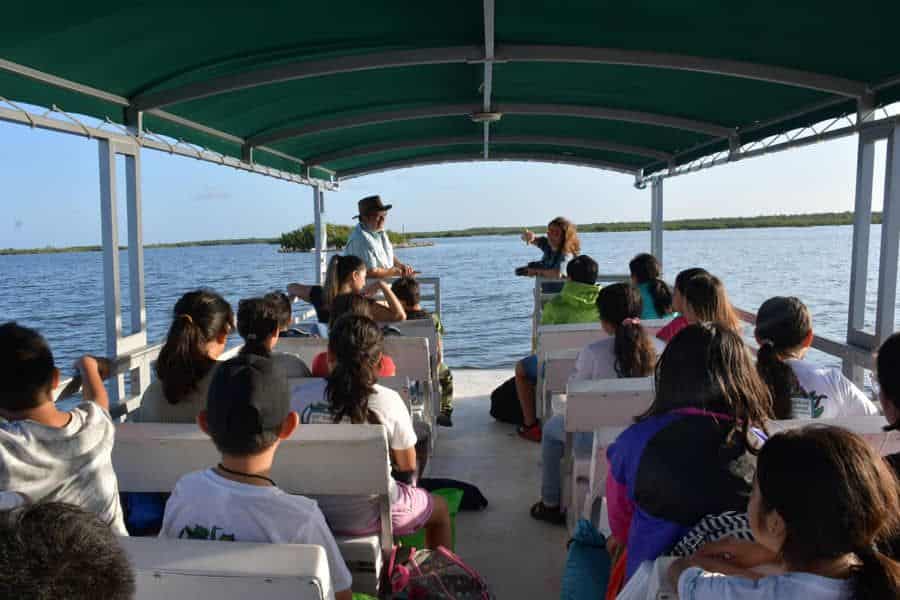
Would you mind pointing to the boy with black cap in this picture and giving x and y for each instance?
(247, 415)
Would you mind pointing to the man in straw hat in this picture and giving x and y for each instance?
(369, 241)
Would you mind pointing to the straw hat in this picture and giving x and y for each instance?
(371, 204)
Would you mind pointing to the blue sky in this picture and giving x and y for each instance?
(49, 193)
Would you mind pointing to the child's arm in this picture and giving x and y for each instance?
(393, 311)
(298, 290)
(92, 376)
(404, 460)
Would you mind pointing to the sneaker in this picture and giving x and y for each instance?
(444, 419)
(530, 432)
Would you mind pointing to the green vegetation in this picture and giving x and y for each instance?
(808, 220)
(305, 238)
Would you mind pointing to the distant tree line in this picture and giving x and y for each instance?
(305, 237)
(808, 220)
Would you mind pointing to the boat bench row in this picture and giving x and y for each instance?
(315, 460)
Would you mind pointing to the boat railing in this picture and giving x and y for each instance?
(127, 369)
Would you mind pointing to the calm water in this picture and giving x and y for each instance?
(486, 308)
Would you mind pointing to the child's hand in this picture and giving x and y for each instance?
(89, 364)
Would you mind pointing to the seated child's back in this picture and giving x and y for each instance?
(248, 414)
(47, 454)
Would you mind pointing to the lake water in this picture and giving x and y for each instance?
(486, 309)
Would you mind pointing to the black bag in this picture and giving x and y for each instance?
(472, 498)
(505, 403)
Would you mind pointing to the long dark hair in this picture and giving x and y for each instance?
(707, 366)
(684, 276)
(620, 305)
(662, 296)
(197, 319)
(356, 342)
(888, 373)
(340, 268)
(349, 303)
(708, 300)
(257, 321)
(782, 324)
(836, 496)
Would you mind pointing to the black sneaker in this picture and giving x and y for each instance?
(444, 420)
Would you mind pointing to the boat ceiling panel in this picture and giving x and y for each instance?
(360, 85)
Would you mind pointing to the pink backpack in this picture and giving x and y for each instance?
(438, 574)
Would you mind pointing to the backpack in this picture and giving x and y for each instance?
(505, 403)
(472, 498)
(435, 574)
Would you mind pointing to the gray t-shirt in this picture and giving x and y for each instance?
(156, 409)
(71, 464)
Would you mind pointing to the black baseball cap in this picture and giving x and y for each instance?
(247, 396)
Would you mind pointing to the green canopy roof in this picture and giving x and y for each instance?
(357, 86)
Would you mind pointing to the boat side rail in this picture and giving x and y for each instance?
(127, 364)
(193, 568)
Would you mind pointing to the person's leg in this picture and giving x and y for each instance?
(553, 443)
(438, 531)
(526, 378)
(445, 377)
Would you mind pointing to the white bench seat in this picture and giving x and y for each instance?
(203, 570)
(315, 460)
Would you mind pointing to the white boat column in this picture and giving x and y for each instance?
(656, 219)
(321, 233)
(118, 342)
(857, 334)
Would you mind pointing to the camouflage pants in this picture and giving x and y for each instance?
(445, 377)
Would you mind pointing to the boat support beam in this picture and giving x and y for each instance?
(119, 343)
(321, 233)
(656, 219)
(857, 333)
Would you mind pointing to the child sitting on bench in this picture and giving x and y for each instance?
(247, 415)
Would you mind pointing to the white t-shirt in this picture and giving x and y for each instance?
(598, 360)
(206, 506)
(71, 464)
(697, 584)
(350, 514)
(826, 393)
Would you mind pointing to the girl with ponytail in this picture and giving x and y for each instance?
(800, 389)
(347, 275)
(201, 322)
(354, 354)
(821, 502)
(628, 352)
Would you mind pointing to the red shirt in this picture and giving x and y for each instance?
(320, 366)
(668, 332)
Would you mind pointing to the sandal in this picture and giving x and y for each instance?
(550, 514)
(530, 432)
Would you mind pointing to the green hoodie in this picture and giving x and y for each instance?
(576, 303)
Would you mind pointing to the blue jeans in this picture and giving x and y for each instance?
(553, 443)
(530, 364)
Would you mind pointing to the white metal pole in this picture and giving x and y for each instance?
(890, 234)
(321, 234)
(112, 304)
(656, 218)
(859, 265)
(140, 376)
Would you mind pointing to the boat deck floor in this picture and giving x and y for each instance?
(518, 556)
